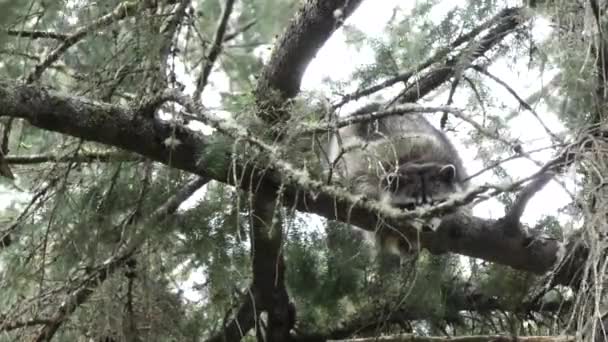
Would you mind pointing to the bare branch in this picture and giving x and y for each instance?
(230, 36)
(366, 116)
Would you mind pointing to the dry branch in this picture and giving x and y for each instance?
(37, 34)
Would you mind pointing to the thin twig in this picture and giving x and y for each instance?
(230, 36)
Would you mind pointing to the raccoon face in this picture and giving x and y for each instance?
(414, 184)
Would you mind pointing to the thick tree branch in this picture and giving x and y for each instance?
(307, 33)
(122, 127)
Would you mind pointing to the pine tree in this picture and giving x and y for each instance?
(162, 178)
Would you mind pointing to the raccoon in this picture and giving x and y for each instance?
(402, 161)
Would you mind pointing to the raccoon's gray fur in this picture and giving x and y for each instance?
(400, 160)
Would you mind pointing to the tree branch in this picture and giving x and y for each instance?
(121, 127)
(306, 34)
(90, 157)
(405, 76)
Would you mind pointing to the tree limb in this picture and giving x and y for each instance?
(121, 127)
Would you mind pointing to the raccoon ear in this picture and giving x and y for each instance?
(447, 173)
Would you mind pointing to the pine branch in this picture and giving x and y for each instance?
(506, 22)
